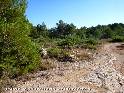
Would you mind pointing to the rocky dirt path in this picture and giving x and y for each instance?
(101, 75)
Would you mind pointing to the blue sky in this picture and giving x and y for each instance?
(80, 12)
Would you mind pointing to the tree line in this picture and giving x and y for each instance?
(69, 35)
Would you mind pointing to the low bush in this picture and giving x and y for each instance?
(69, 41)
(117, 38)
(91, 41)
(59, 54)
(54, 52)
(66, 43)
(89, 46)
(65, 56)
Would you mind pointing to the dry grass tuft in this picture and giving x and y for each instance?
(84, 56)
(6, 82)
(47, 64)
(81, 54)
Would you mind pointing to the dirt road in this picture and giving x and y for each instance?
(104, 74)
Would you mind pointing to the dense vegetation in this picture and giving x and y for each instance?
(20, 41)
(69, 36)
(18, 54)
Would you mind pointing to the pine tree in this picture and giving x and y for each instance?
(18, 54)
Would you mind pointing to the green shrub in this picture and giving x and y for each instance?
(65, 53)
(65, 56)
(88, 46)
(54, 52)
(65, 43)
(91, 41)
(117, 38)
(18, 54)
(59, 54)
(70, 41)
